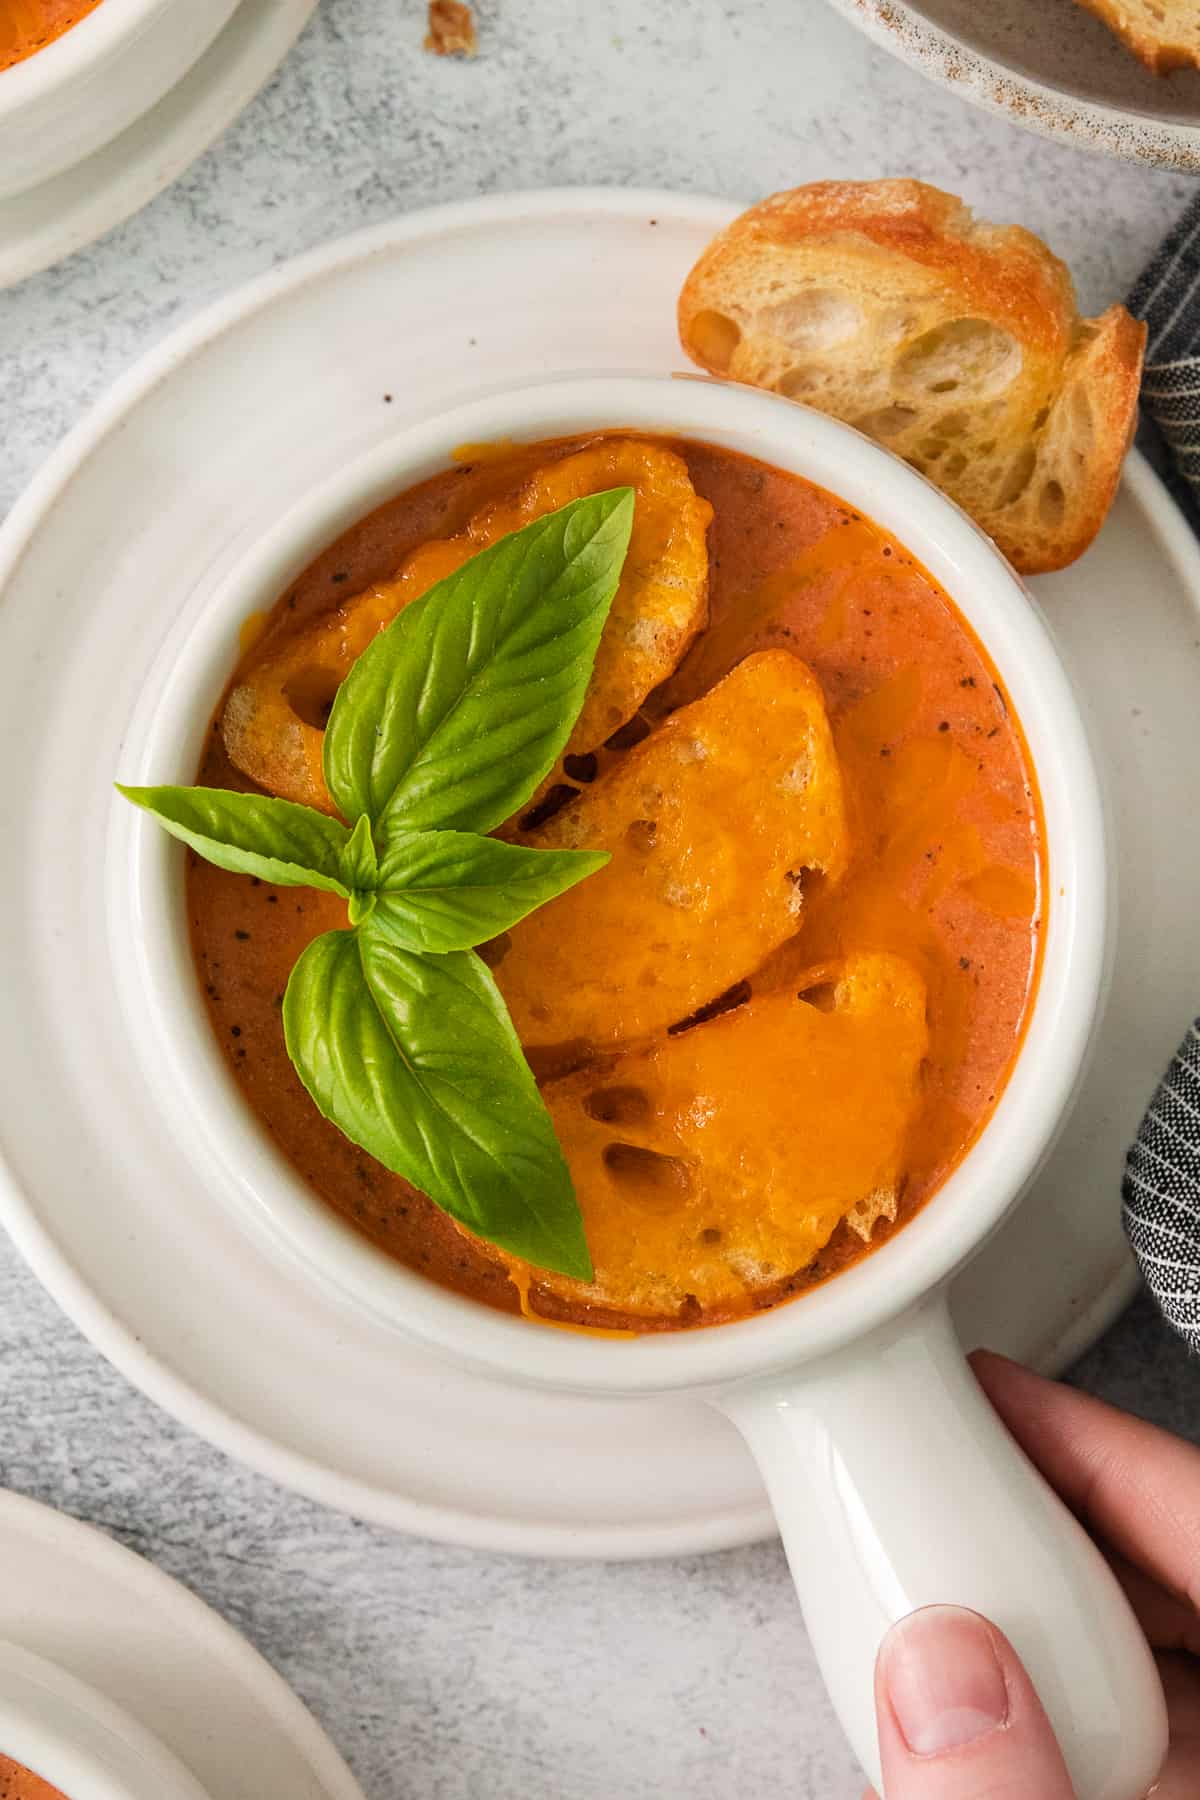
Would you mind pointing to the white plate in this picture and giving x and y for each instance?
(73, 1596)
(50, 221)
(138, 515)
(1047, 64)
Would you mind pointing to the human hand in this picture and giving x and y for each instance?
(958, 1716)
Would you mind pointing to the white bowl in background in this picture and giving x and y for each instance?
(1046, 64)
(67, 100)
(78, 1740)
(893, 1481)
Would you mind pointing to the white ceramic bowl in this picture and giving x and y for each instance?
(893, 1482)
(1056, 69)
(64, 102)
(79, 1741)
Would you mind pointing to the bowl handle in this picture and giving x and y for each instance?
(896, 1486)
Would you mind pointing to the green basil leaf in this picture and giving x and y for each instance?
(360, 865)
(453, 714)
(290, 845)
(415, 1059)
(448, 890)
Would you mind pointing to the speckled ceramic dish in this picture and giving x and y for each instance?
(1046, 64)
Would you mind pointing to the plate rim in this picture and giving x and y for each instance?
(173, 1598)
(904, 30)
(186, 135)
(35, 1241)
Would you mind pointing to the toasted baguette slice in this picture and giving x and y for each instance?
(274, 719)
(956, 344)
(716, 1164)
(710, 823)
(1163, 34)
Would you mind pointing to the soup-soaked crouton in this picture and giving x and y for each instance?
(700, 1186)
(274, 718)
(712, 822)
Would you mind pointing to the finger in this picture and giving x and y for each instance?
(958, 1715)
(1180, 1778)
(1168, 1622)
(1135, 1485)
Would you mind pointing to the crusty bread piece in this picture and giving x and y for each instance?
(1163, 34)
(713, 1165)
(955, 343)
(451, 29)
(274, 719)
(711, 823)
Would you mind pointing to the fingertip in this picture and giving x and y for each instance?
(957, 1712)
(941, 1672)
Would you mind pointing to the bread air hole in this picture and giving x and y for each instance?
(887, 421)
(715, 338)
(1020, 474)
(1052, 504)
(1082, 422)
(814, 321)
(311, 694)
(964, 353)
(794, 383)
(822, 995)
(659, 1182)
(618, 1105)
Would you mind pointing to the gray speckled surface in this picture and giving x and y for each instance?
(442, 1673)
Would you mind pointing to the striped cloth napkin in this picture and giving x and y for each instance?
(1162, 1172)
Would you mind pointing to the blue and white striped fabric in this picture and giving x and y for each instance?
(1162, 1192)
(1162, 1174)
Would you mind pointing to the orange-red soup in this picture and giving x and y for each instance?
(19, 1783)
(946, 866)
(27, 26)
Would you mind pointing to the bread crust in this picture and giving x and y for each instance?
(955, 342)
(1152, 42)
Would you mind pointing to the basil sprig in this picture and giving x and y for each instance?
(444, 727)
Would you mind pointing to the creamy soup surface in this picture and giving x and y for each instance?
(938, 884)
(27, 26)
(19, 1783)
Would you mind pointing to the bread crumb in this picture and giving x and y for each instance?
(451, 29)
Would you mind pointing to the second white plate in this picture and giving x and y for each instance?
(57, 217)
(135, 519)
(71, 1595)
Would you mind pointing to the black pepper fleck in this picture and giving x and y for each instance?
(243, 937)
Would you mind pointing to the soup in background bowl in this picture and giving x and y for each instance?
(20, 1783)
(769, 1030)
(27, 26)
(74, 74)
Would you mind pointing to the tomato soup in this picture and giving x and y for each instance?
(940, 877)
(27, 26)
(18, 1783)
